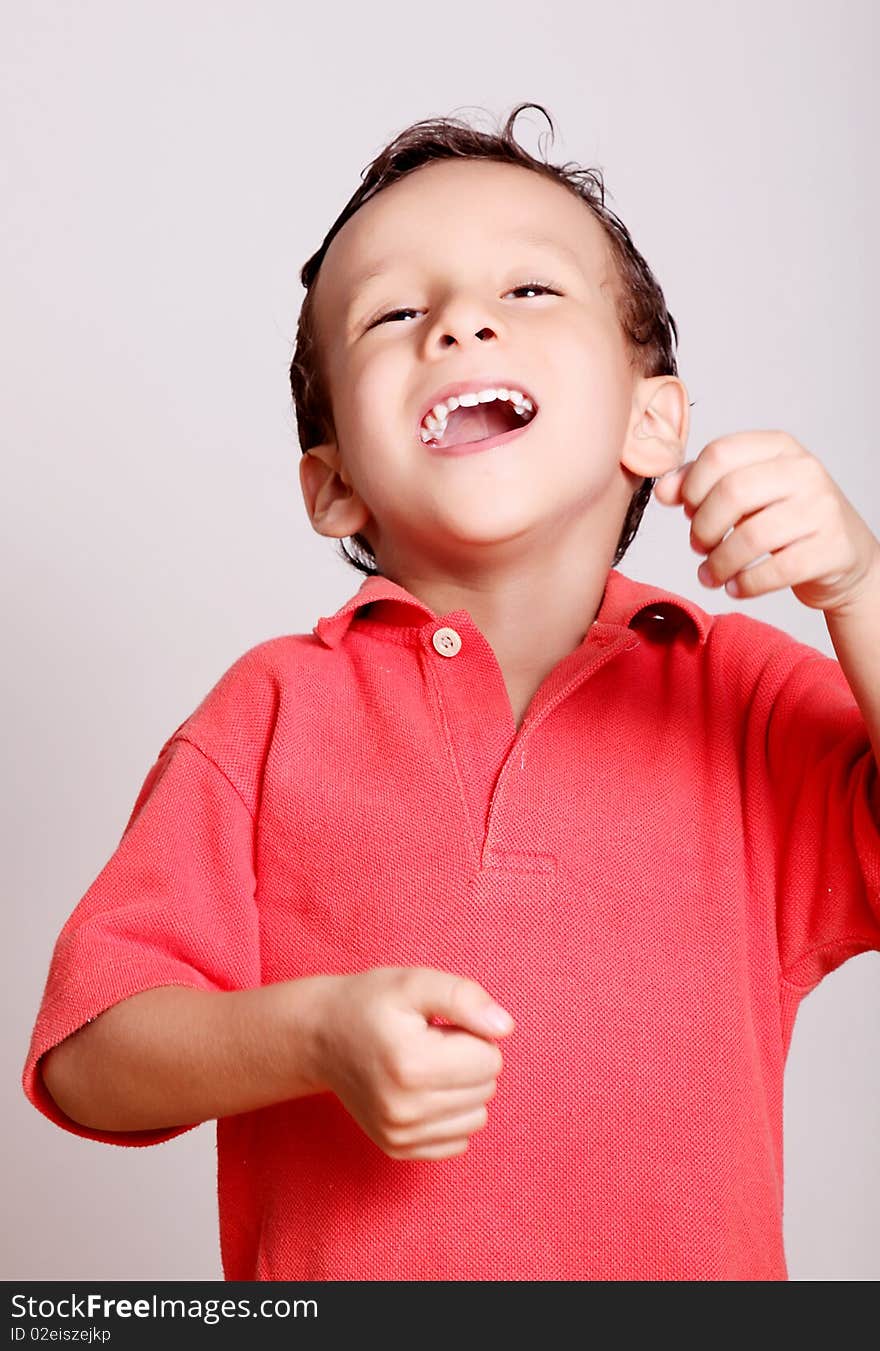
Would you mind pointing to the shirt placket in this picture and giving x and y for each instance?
(476, 720)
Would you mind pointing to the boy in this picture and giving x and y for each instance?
(503, 782)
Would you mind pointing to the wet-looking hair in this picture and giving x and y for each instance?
(648, 326)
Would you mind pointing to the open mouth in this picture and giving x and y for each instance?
(476, 420)
(480, 442)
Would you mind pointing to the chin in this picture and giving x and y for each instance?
(490, 507)
(488, 534)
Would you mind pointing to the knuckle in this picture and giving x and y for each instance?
(380, 975)
(395, 1138)
(410, 976)
(456, 994)
(396, 1117)
(833, 512)
(731, 493)
(402, 1070)
(402, 982)
(749, 534)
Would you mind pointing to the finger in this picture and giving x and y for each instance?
(463, 1002)
(441, 1104)
(461, 1060)
(726, 453)
(745, 492)
(445, 1151)
(789, 567)
(753, 539)
(442, 1132)
(667, 488)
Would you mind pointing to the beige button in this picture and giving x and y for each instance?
(447, 642)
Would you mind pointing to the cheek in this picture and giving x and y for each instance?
(584, 355)
(384, 370)
(589, 397)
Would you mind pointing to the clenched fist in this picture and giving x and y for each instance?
(418, 1091)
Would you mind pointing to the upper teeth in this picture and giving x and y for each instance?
(434, 422)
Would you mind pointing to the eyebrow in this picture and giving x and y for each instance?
(382, 265)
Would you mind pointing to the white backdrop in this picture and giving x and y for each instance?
(166, 168)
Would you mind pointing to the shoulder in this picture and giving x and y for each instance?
(756, 645)
(233, 725)
(763, 668)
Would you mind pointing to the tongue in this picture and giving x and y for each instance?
(475, 424)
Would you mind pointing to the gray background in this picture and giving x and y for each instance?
(167, 167)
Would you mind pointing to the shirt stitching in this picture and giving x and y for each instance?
(222, 773)
(868, 944)
(440, 714)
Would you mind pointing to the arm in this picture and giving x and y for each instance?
(172, 1056)
(855, 634)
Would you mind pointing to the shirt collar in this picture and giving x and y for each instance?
(627, 603)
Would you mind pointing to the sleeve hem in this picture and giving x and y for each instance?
(812, 962)
(39, 1096)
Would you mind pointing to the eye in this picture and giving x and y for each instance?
(383, 318)
(535, 286)
(524, 286)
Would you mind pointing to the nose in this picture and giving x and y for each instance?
(483, 334)
(460, 320)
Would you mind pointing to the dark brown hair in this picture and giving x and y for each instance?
(647, 324)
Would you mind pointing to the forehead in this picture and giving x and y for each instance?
(456, 209)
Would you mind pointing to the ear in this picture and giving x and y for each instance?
(333, 506)
(658, 428)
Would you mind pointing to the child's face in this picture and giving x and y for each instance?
(452, 243)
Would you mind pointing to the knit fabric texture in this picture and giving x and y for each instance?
(650, 874)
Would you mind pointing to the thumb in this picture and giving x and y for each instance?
(463, 1002)
(667, 488)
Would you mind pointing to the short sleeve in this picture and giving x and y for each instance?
(174, 905)
(814, 807)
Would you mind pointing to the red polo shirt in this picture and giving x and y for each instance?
(676, 845)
